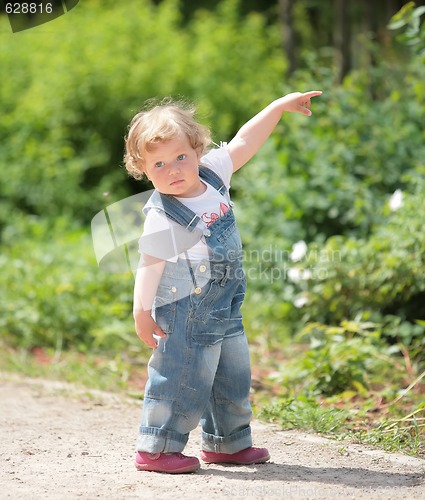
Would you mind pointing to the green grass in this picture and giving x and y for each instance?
(95, 371)
(304, 414)
(344, 382)
(401, 435)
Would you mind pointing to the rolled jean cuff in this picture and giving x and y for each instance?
(227, 444)
(155, 440)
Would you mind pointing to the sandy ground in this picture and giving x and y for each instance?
(61, 442)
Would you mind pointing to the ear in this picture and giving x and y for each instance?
(199, 150)
(145, 172)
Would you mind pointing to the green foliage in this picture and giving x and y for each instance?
(329, 181)
(331, 173)
(408, 19)
(70, 93)
(380, 278)
(54, 295)
(108, 373)
(304, 413)
(235, 65)
(346, 383)
(405, 439)
(377, 278)
(393, 435)
(339, 359)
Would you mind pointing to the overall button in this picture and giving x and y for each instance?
(207, 233)
(202, 268)
(173, 289)
(198, 290)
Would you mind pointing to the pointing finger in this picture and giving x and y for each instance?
(312, 93)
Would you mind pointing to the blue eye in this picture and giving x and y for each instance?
(181, 157)
(159, 164)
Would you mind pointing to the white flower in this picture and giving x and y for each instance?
(300, 301)
(396, 200)
(306, 274)
(295, 274)
(299, 251)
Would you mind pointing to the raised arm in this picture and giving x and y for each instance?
(254, 133)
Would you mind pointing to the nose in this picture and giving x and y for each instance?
(174, 168)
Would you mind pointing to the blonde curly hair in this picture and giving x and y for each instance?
(158, 123)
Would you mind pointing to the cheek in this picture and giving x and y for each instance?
(149, 173)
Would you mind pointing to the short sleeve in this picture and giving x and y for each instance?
(166, 240)
(156, 238)
(220, 162)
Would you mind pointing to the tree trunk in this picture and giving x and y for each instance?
(342, 38)
(288, 33)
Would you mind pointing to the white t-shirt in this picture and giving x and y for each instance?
(209, 206)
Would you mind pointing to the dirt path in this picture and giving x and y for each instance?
(58, 442)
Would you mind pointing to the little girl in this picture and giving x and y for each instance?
(187, 302)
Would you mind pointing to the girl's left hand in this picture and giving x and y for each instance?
(298, 102)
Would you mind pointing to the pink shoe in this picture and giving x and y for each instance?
(172, 463)
(243, 457)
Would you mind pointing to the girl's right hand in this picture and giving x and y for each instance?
(146, 327)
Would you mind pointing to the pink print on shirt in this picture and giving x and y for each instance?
(212, 217)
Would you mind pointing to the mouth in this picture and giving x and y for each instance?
(176, 183)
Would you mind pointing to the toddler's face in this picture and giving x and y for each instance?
(172, 166)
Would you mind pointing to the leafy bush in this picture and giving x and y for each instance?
(328, 181)
(413, 32)
(342, 358)
(331, 173)
(70, 93)
(338, 359)
(381, 276)
(378, 279)
(54, 295)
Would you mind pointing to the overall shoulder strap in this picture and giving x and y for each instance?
(177, 211)
(174, 210)
(213, 179)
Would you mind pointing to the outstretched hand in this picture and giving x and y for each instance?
(298, 102)
(254, 133)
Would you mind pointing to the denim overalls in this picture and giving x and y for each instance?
(201, 371)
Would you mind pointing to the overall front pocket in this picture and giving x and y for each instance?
(164, 308)
(210, 313)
